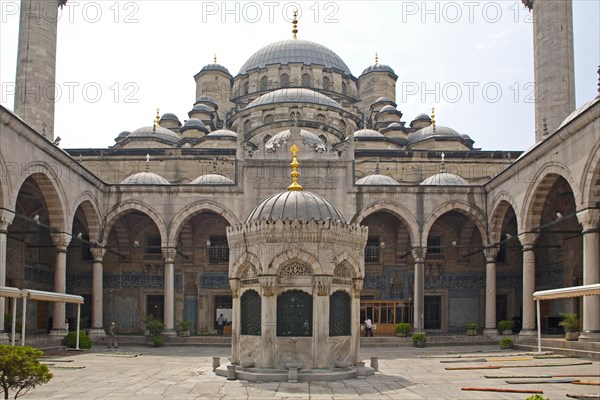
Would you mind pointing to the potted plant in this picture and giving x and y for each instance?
(471, 329)
(571, 324)
(419, 339)
(154, 326)
(505, 327)
(506, 343)
(402, 329)
(184, 327)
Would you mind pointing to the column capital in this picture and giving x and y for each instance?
(418, 253)
(322, 285)
(490, 252)
(358, 285)
(234, 284)
(169, 254)
(267, 284)
(98, 253)
(528, 240)
(61, 241)
(6, 218)
(589, 218)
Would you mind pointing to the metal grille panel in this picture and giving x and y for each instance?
(294, 314)
(250, 313)
(340, 315)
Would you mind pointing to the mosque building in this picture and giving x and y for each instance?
(168, 220)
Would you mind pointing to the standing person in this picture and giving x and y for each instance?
(368, 327)
(220, 322)
(112, 338)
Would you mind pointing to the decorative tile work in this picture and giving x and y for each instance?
(214, 280)
(35, 274)
(133, 280)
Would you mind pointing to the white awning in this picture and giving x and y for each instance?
(40, 295)
(6, 291)
(573, 291)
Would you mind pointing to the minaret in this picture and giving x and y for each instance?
(36, 64)
(553, 59)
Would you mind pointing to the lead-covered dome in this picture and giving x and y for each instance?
(377, 180)
(295, 205)
(294, 95)
(439, 132)
(367, 133)
(145, 178)
(295, 51)
(215, 67)
(212, 179)
(155, 132)
(445, 179)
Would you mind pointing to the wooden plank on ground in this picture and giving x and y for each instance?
(503, 390)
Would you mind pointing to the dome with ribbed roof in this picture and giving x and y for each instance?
(212, 179)
(169, 117)
(145, 178)
(215, 67)
(445, 179)
(155, 132)
(223, 132)
(308, 138)
(294, 95)
(377, 180)
(295, 51)
(379, 68)
(440, 132)
(367, 133)
(388, 108)
(295, 205)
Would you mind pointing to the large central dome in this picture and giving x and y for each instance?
(295, 51)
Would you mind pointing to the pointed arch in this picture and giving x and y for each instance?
(396, 210)
(296, 253)
(119, 210)
(590, 179)
(500, 205)
(474, 214)
(241, 263)
(196, 208)
(89, 206)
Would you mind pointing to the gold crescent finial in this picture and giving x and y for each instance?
(157, 117)
(376, 58)
(215, 59)
(433, 118)
(295, 24)
(294, 186)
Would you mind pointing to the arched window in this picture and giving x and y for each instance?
(342, 126)
(264, 83)
(268, 118)
(250, 313)
(246, 87)
(344, 88)
(320, 118)
(285, 80)
(294, 313)
(340, 315)
(247, 126)
(266, 138)
(326, 83)
(323, 138)
(305, 80)
(295, 115)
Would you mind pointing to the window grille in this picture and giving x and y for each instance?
(294, 314)
(339, 314)
(250, 313)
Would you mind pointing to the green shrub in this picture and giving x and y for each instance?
(419, 337)
(184, 325)
(537, 396)
(506, 343)
(157, 341)
(85, 342)
(570, 322)
(20, 369)
(472, 326)
(506, 325)
(403, 328)
(154, 325)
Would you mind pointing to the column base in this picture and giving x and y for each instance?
(528, 334)
(4, 336)
(169, 332)
(490, 333)
(589, 336)
(58, 332)
(96, 332)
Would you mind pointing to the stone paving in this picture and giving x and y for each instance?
(185, 373)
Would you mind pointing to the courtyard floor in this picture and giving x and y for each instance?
(185, 373)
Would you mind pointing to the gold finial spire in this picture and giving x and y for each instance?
(157, 117)
(433, 118)
(215, 59)
(376, 58)
(295, 22)
(294, 186)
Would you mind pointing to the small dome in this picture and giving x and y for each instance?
(445, 179)
(394, 126)
(194, 122)
(295, 205)
(145, 178)
(223, 132)
(212, 179)
(308, 138)
(377, 179)
(388, 108)
(169, 117)
(367, 133)
(422, 117)
(379, 68)
(295, 51)
(385, 100)
(124, 134)
(155, 132)
(206, 100)
(201, 107)
(293, 95)
(440, 131)
(577, 112)
(215, 67)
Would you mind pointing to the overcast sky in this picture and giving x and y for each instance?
(118, 61)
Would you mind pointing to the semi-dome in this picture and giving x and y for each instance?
(212, 179)
(379, 68)
(445, 179)
(295, 205)
(295, 51)
(294, 95)
(367, 133)
(440, 132)
(215, 67)
(377, 179)
(308, 138)
(145, 178)
(155, 132)
(223, 132)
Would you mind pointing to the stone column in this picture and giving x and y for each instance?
(97, 291)
(169, 254)
(528, 243)
(358, 285)
(490, 291)
(321, 321)
(6, 219)
(61, 243)
(269, 321)
(419, 291)
(234, 284)
(590, 220)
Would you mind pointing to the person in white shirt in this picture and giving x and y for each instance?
(368, 326)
